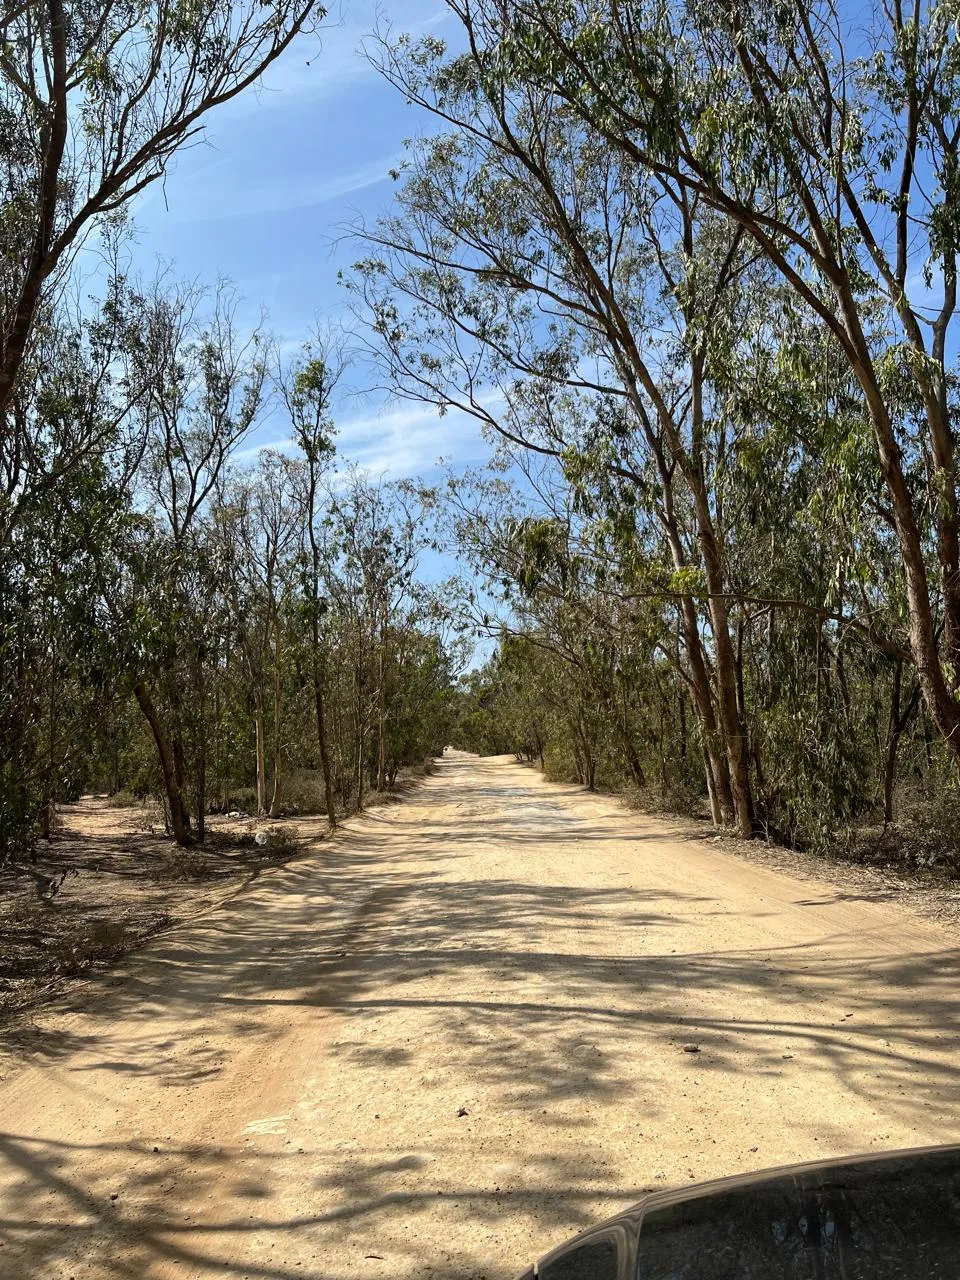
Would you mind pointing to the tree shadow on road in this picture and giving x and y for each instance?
(378, 933)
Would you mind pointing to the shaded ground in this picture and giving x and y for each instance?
(443, 1042)
(930, 892)
(118, 881)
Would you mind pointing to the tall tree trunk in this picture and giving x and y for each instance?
(629, 744)
(589, 765)
(310, 445)
(619, 719)
(277, 753)
(261, 761)
(46, 813)
(722, 806)
(381, 709)
(733, 730)
(54, 137)
(322, 744)
(715, 811)
(899, 719)
(935, 688)
(201, 794)
(893, 741)
(631, 757)
(179, 815)
(201, 756)
(731, 724)
(361, 734)
(361, 752)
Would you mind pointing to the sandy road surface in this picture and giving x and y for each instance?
(273, 1091)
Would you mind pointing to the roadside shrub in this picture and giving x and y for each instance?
(679, 797)
(125, 799)
(280, 843)
(185, 864)
(559, 766)
(303, 792)
(242, 798)
(927, 829)
(421, 770)
(268, 841)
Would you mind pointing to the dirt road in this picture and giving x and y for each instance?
(450, 1038)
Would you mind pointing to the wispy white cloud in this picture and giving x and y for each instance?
(334, 61)
(410, 439)
(210, 201)
(252, 451)
(396, 442)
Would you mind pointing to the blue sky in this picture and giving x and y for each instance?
(264, 203)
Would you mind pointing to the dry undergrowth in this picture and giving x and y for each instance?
(120, 881)
(123, 881)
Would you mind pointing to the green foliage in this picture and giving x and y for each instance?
(161, 610)
(680, 268)
(927, 832)
(686, 251)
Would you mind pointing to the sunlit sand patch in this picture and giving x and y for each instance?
(270, 1124)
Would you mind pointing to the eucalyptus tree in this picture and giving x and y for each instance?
(60, 552)
(261, 518)
(830, 136)
(568, 591)
(505, 704)
(585, 591)
(307, 387)
(585, 310)
(60, 682)
(95, 100)
(377, 538)
(204, 386)
(425, 660)
(76, 402)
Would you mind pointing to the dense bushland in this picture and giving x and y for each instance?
(694, 265)
(175, 621)
(181, 626)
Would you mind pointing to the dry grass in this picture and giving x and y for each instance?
(125, 881)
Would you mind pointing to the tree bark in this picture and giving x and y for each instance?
(893, 741)
(732, 726)
(589, 765)
(200, 758)
(632, 759)
(731, 723)
(361, 749)
(179, 814)
(261, 762)
(16, 338)
(277, 754)
(381, 710)
(899, 719)
(715, 811)
(319, 703)
(722, 805)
